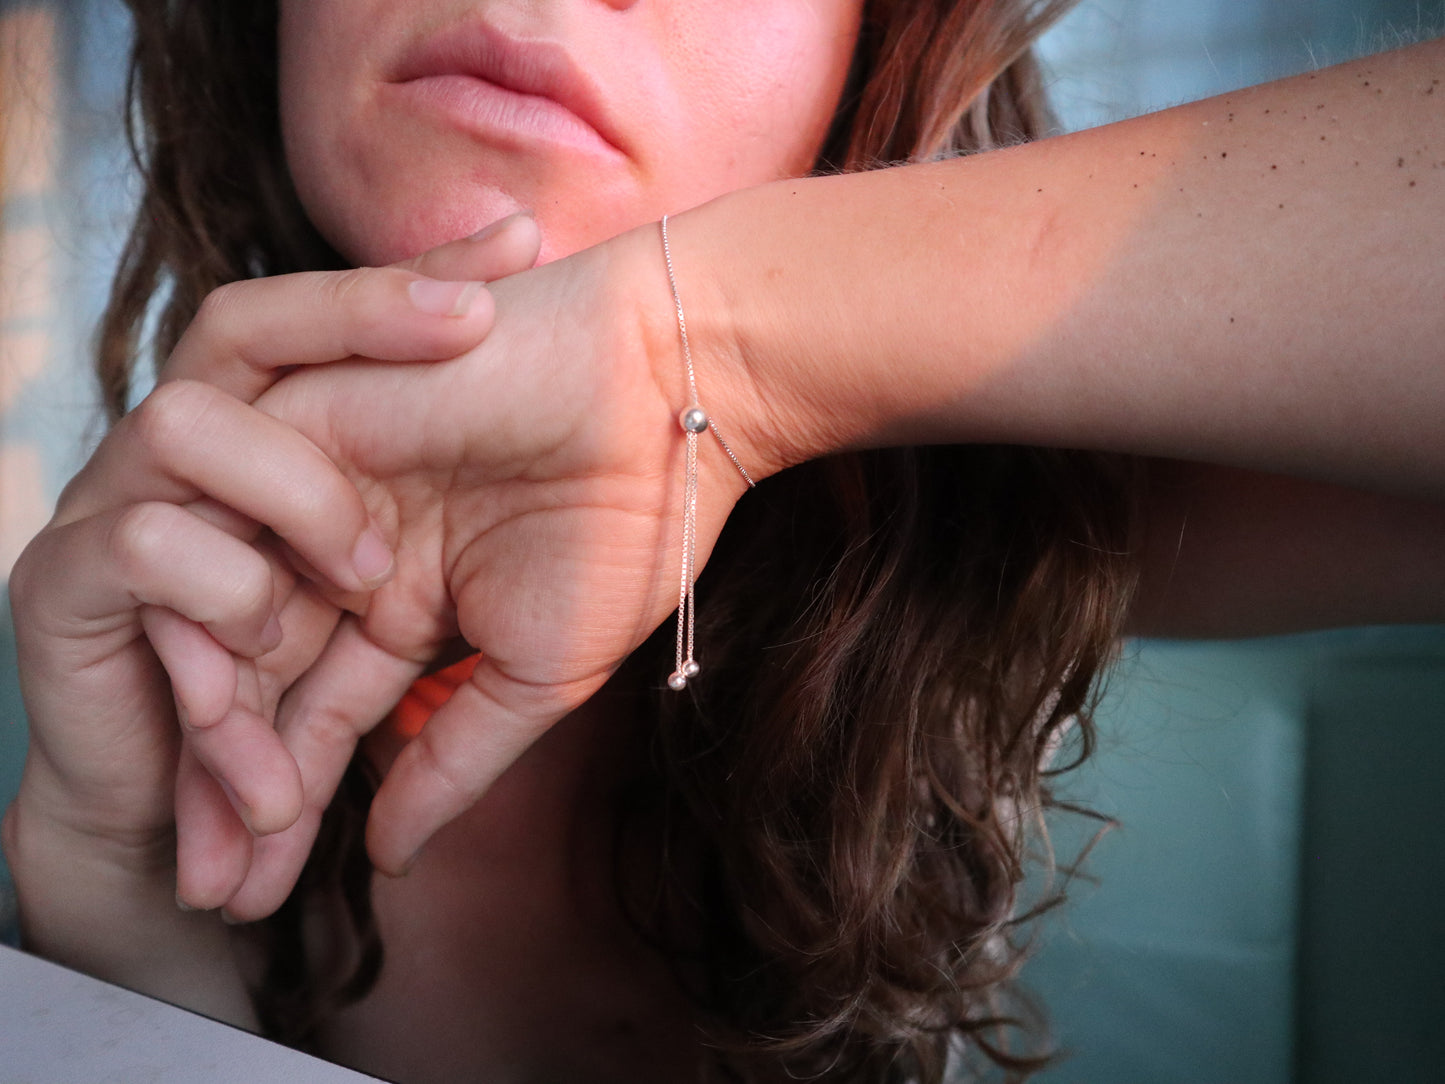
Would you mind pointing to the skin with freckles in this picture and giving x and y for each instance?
(671, 104)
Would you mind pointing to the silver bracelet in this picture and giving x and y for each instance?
(693, 420)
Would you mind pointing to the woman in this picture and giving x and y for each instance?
(894, 642)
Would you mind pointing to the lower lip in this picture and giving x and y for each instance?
(491, 110)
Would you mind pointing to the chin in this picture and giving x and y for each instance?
(389, 231)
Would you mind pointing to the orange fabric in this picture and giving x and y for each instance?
(429, 693)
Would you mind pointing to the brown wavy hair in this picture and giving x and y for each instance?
(898, 642)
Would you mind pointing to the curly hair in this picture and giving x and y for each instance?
(898, 640)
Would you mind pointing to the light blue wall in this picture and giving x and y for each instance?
(1268, 909)
(84, 214)
(1117, 58)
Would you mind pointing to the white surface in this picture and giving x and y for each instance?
(61, 1027)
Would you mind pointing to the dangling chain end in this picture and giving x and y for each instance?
(693, 421)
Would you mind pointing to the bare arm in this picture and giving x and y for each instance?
(1253, 281)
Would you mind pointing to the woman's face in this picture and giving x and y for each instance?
(408, 123)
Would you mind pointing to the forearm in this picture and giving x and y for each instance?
(110, 911)
(1254, 280)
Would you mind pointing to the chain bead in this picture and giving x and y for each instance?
(694, 422)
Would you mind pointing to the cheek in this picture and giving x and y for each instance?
(310, 91)
(769, 94)
(329, 54)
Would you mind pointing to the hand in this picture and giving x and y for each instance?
(532, 491)
(159, 564)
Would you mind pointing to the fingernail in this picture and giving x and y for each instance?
(372, 559)
(271, 634)
(183, 905)
(500, 224)
(230, 919)
(444, 298)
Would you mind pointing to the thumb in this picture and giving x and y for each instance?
(507, 247)
(471, 740)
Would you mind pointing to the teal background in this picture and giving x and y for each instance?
(1268, 909)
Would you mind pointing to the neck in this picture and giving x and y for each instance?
(507, 951)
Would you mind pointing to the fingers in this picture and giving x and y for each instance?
(201, 595)
(486, 725)
(351, 688)
(254, 769)
(159, 555)
(213, 845)
(247, 333)
(188, 441)
(216, 850)
(202, 671)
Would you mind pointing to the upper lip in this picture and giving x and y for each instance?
(526, 66)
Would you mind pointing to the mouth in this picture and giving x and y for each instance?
(494, 84)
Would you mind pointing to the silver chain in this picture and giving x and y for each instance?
(693, 420)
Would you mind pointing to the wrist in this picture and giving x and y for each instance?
(107, 907)
(912, 305)
(743, 399)
(65, 878)
(42, 825)
(782, 333)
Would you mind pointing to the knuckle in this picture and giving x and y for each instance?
(138, 535)
(322, 499)
(248, 592)
(342, 288)
(224, 329)
(451, 778)
(217, 313)
(172, 416)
